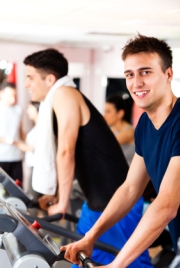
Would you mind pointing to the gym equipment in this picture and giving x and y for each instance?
(28, 247)
(167, 254)
(21, 239)
(176, 262)
(11, 192)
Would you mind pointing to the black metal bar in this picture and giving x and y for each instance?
(59, 216)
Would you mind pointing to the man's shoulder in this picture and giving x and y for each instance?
(143, 119)
(65, 91)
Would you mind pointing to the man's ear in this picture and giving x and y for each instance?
(169, 73)
(50, 80)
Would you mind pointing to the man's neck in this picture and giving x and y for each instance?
(160, 114)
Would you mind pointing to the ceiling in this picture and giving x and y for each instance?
(89, 23)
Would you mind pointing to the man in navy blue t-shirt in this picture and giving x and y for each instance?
(148, 72)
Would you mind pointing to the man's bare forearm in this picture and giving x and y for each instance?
(150, 227)
(65, 170)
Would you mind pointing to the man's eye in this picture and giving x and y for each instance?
(145, 72)
(129, 75)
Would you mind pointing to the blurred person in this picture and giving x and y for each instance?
(10, 130)
(28, 146)
(115, 116)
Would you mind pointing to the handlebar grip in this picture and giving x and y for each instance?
(61, 256)
(86, 262)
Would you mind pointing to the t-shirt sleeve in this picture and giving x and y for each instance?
(137, 139)
(176, 139)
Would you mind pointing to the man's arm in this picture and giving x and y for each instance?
(7, 140)
(22, 134)
(24, 147)
(67, 110)
(120, 204)
(10, 140)
(2, 140)
(163, 209)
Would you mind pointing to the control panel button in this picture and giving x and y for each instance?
(18, 183)
(36, 225)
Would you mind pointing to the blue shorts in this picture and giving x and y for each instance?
(116, 236)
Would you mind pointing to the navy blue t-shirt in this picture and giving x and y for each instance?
(157, 147)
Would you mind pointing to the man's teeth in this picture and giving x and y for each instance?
(141, 93)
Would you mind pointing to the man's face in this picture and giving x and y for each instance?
(145, 80)
(36, 84)
(8, 96)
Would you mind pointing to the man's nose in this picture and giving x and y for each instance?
(138, 81)
(26, 84)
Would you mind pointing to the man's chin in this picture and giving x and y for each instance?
(34, 99)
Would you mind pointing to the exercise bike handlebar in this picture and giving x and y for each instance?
(81, 256)
(69, 234)
(16, 248)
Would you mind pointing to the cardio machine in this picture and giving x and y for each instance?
(20, 233)
(26, 245)
(12, 193)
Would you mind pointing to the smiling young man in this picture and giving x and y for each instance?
(148, 71)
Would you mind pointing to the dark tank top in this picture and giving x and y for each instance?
(100, 166)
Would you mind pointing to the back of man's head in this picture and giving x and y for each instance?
(48, 61)
(147, 44)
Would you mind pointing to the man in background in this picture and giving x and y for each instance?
(10, 130)
(74, 141)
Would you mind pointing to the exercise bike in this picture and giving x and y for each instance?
(27, 246)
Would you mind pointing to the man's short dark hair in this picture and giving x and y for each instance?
(49, 61)
(5, 84)
(142, 43)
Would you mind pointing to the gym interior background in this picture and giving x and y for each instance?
(90, 33)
